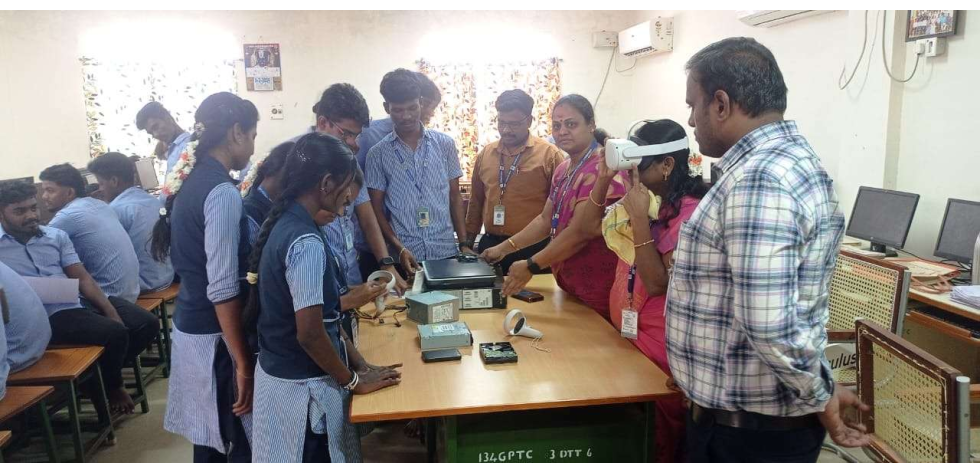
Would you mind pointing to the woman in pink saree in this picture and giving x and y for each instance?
(577, 254)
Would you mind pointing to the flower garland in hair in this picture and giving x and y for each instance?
(185, 164)
(246, 184)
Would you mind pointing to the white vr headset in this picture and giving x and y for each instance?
(624, 154)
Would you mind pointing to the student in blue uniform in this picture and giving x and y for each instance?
(307, 365)
(25, 325)
(39, 251)
(137, 211)
(210, 392)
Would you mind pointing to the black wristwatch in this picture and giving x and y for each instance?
(532, 266)
(384, 262)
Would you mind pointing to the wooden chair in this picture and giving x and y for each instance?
(864, 288)
(67, 369)
(20, 399)
(919, 404)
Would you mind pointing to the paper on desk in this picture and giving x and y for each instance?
(54, 290)
(968, 295)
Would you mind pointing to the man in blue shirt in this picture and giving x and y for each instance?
(25, 324)
(380, 128)
(100, 240)
(413, 179)
(137, 211)
(33, 250)
(157, 121)
(371, 135)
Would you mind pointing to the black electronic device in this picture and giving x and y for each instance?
(958, 234)
(463, 272)
(441, 355)
(528, 296)
(497, 353)
(882, 217)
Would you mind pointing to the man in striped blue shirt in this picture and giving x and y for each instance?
(137, 211)
(37, 251)
(413, 179)
(157, 121)
(100, 240)
(342, 113)
(747, 306)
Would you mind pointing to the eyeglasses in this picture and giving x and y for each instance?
(344, 133)
(502, 125)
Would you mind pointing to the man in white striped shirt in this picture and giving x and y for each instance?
(413, 179)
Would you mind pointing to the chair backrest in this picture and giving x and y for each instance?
(919, 404)
(866, 288)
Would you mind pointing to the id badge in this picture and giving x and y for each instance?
(629, 324)
(423, 217)
(498, 214)
(348, 240)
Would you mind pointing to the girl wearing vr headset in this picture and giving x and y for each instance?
(640, 287)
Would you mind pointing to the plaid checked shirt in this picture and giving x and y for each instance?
(748, 300)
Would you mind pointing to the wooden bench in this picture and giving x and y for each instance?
(168, 295)
(20, 399)
(161, 363)
(68, 368)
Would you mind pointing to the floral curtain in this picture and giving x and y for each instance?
(467, 111)
(115, 92)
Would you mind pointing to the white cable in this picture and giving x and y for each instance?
(884, 55)
(595, 104)
(857, 64)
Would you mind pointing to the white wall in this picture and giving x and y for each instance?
(808, 52)
(938, 157)
(44, 116)
(876, 132)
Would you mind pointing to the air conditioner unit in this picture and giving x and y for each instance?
(770, 18)
(649, 37)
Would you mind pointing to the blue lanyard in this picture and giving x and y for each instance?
(410, 170)
(558, 203)
(503, 181)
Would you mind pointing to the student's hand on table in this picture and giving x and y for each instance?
(516, 279)
(466, 250)
(244, 379)
(368, 367)
(374, 380)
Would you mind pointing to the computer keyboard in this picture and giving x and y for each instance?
(866, 253)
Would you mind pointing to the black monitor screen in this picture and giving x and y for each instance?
(961, 225)
(882, 216)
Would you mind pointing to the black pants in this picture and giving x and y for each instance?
(490, 240)
(315, 446)
(232, 430)
(710, 442)
(122, 342)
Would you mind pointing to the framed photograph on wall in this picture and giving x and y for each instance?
(263, 67)
(930, 24)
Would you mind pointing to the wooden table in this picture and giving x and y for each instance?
(590, 364)
(944, 301)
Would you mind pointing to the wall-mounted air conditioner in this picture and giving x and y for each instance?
(649, 37)
(770, 18)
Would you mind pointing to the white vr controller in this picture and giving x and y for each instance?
(379, 302)
(521, 327)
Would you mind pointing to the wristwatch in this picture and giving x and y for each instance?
(384, 262)
(532, 266)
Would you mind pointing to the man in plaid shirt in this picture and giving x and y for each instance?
(747, 304)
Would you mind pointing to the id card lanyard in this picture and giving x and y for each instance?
(422, 215)
(498, 210)
(565, 185)
(630, 318)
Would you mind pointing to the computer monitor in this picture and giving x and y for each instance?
(882, 217)
(958, 235)
(26, 179)
(146, 174)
